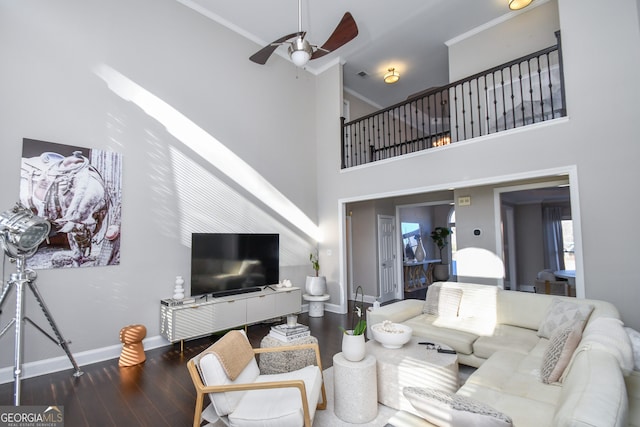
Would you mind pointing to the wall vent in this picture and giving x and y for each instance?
(363, 74)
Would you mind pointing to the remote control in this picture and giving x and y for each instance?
(444, 350)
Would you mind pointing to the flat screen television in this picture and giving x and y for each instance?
(231, 263)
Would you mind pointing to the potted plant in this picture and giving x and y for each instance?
(315, 285)
(439, 235)
(353, 345)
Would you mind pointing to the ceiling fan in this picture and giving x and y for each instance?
(300, 50)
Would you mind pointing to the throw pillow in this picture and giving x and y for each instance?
(634, 337)
(442, 302)
(557, 355)
(431, 301)
(562, 313)
(448, 410)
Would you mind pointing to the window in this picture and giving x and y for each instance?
(452, 240)
(568, 245)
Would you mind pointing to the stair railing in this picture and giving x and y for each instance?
(518, 93)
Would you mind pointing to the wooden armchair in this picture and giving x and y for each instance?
(287, 399)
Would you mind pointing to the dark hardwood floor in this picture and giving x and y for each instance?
(158, 392)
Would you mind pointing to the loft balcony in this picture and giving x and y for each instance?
(518, 93)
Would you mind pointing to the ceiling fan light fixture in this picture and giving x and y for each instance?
(392, 76)
(519, 4)
(300, 51)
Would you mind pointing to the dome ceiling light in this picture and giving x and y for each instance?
(519, 4)
(392, 76)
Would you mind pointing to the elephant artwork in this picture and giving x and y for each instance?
(70, 190)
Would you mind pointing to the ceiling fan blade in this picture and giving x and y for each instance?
(261, 56)
(346, 31)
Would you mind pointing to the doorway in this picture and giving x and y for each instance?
(482, 215)
(386, 258)
(537, 232)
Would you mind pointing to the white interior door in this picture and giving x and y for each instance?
(386, 258)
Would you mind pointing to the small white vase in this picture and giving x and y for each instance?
(316, 285)
(420, 253)
(353, 348)
(178, 290)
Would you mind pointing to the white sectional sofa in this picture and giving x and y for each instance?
(507, 334)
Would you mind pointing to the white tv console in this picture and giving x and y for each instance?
(205, 316)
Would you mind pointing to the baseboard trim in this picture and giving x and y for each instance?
(61, 363)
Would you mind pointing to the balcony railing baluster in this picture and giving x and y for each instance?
(521, 92)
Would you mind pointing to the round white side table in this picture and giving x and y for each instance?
(316, 304)
(355, 389)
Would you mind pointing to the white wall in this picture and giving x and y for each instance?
(600, 50)
(284, 123)
(529, 242)
(528, 31)
(358, 107)
(266, 115)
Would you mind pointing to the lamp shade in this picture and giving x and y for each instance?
(300, 57)
(518, 4)
(392, 76)
(300, 51)
(22, 231)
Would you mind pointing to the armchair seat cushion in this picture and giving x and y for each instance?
(279, 407)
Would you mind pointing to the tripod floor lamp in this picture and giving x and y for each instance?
(21, 232)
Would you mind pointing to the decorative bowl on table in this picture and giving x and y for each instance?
(391, 335)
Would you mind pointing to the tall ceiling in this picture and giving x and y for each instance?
(409, 35)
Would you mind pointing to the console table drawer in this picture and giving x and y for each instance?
(228, 314)
(289, 301)
(261, 308)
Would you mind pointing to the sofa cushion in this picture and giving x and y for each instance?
(510, 383)
(522, 309)
(443, 302)
(561, 346)
(593, 392)
(633, 391)
(561, 313)
(608, 334)
(506, 337)
(442, 330)
(514, 374)
(446, 409)
(634, 338)
(478, 301)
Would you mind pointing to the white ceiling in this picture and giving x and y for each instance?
(409, 35)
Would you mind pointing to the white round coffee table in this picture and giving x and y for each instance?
(412, 366)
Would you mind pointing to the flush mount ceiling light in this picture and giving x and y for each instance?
(518, 4)
(392, 76)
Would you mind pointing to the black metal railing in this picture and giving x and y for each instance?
(521, 92)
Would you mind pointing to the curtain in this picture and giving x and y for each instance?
(553, 246)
